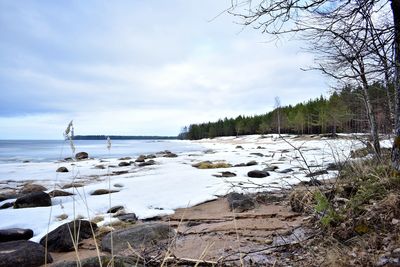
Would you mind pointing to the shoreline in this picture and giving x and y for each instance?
(172, 182)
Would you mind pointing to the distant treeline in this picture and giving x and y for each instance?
(122, 137)
(342, 111)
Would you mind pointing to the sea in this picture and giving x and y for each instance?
(13, 151)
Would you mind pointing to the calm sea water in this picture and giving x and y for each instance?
(49, 150)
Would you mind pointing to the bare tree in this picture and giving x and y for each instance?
(279, 17)
(278, 107)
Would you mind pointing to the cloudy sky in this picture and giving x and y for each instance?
(138, 67)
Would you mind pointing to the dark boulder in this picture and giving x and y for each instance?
(147, 235)
(31, 188)
(147, 163)
(333, 167)
(251, 163)
(286, 170)
(257, 174)
(240, 165)
(115, 209)
(240, 202)
(6, 205)
(225, 174)
(120, 172)
(141, 158)
(81, 155)
(169, 154)
(271, 168)
(124, 164)
(60, 239)
(37, 199)
(125, 158)
(22, 253)
(257, 154)
(62, 169)
(239, 147)
(72, 185)
(14, 234)
(103, 192)
(59, 193)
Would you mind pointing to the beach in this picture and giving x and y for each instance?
(169, 181)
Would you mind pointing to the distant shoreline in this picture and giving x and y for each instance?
(123, 137)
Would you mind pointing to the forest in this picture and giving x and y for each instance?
(342, 112)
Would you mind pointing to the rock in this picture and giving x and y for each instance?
(6, 205)
(211, 165)
(100, 166)
(62, 169)
(239, 147)
(239, 202)
(115, 209)
(36, 199)
(118, 185)
(257, 174)
(143, 235)
(23, 253)
(151, 156)
(59, 193)
(147, 163)
(251, 163)
(225, 174)
(116, 261)
(271, 168)
(269, 241)
(170, 155)
(128, 217)
(260, 147)
(125, 158)
(59, 240)
(14, 234)
(316, 173)
(286, 170)
(257, 154)
(66, 186)
(240, 165)
(26, 161)
(69, 159)
(31, 188)
(120, 172)
(81, 155)
(103, 192)
(333, 167)
(141, 158)
(124, 164)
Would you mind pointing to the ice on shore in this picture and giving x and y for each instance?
(171, 183)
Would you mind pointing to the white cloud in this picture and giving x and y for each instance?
(141, 68)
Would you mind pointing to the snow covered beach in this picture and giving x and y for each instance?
(169, 183)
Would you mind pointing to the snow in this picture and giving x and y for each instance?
(170, 184)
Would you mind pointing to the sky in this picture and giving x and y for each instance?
(135, 67)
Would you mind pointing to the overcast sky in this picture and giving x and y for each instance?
(138, 67)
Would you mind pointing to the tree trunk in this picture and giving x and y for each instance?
(370, 115)
(396, 144)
